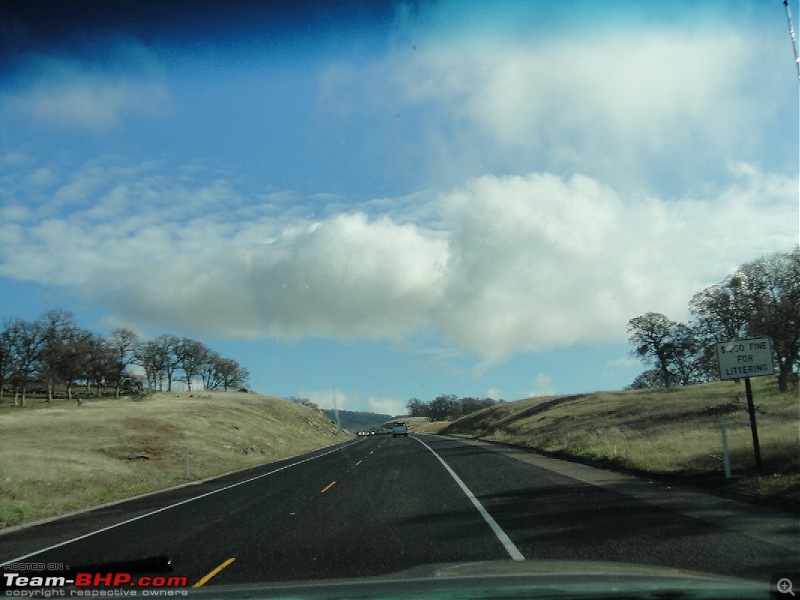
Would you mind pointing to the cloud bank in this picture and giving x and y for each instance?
(508, 264)
(97, 95)
(663, 101)
(560, 184)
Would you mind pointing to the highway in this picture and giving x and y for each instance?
(379, 505)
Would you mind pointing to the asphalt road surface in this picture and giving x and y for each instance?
(381, 504)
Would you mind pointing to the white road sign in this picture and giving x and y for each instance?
(745, 358)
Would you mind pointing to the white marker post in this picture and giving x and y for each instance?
(743, 359)
(726, 457)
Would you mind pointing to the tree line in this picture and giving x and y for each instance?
(759, 299)
(447, 407)
(53, 350)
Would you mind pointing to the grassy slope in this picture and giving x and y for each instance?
(673, 432)
(60, 457)
(422, 425)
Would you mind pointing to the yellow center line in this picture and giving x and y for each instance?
(211, 574)
(327, 487)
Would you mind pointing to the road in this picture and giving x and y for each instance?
(380, 504)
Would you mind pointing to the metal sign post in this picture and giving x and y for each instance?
(743, 359)
(751, 408)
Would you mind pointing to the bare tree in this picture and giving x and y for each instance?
(417, 408)
(152, 358)
(761, 298)
(54, 349)
(720, 311)
(100, 363)
(74, 360)
(470, 405)
(191, 356)
(231, 374)
(58, 330)
(685, 361)
(719, 314)
(5, 361)
(222, 373)
(651, 378)
(771, 290)
(652, 334)
(209, 371)
(24, 341)
(169, 345)
(122, 344)
(444, 407)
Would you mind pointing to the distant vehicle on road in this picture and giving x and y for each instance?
(399, 428)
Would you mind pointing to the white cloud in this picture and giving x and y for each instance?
(91, 104)
(644, 103)
(346, 278)
(341, 400)
(536, 180)
(65, 93)
(386, 406)
(537, 262)
(330, 398)
(542, 386)
(627, 362)
(513, 264)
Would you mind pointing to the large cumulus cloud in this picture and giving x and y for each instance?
(347, 278)
(498, 265)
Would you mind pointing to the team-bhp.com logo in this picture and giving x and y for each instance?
(47, 583)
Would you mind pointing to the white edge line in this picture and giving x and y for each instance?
(165, 508)
(512, 550)
(193, 482)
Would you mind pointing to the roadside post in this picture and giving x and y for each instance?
(743, 359)
(726, 457)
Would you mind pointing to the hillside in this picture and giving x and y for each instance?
(60, 457)
(671, 432)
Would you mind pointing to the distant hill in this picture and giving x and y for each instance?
(353, 420)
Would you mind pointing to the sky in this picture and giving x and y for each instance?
(366, 202)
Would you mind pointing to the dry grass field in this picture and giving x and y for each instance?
(672, 432)
(58, 457)
(423, 425)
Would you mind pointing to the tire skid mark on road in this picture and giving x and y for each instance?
(501, 535)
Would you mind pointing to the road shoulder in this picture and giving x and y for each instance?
(767, 524)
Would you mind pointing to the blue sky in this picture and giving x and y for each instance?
(373, 201)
